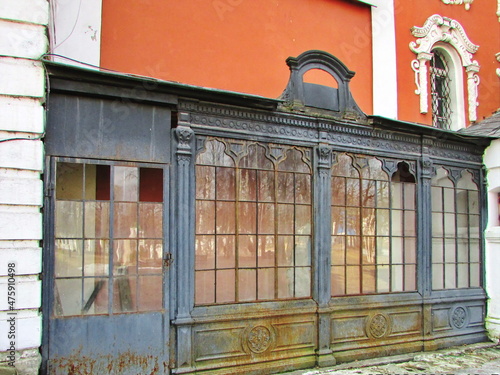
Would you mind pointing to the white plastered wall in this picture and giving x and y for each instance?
(23, 41)
(492, 234)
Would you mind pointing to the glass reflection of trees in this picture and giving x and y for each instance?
(373, 227)
(253, 222)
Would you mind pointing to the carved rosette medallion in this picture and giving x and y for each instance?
(459, 317)
(378, 326)
(259, 339)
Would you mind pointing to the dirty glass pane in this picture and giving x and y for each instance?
(338, 281)
(382, 194)
(437, 224)
(449, 225)
(343, 167)
(248, 185)
(437, 276)
(247, 218)
(368, 221)
(475, 275)
(285, 282)
(397, 222)
(205, 182)
(463, 275)
(68, 297)
(353, 247)
(226, 286)
(383, 250)
(462, 250)
(303, 219)
(266, 186)
(410, 250)
(95, 296)
(437, 250)
(150, 291)
(338, 191)
(285, 218)
(352, 192)
(285, 187)
(449, 200)
(247, 285)
(397, 278)
(225, 217)
(266, 251)
(475, 252)
(265, 283)
(285, 250)
(473, 202)
(126, 184)
(383, 223)
(302, 282)
(353, 221)
(225, 251)
(383, 279)
(338, 250)
(204, 287)
(69, 181)
(266, 218)
(410, 278)
(353, 279)
(397, 195)
(68, 258)
(150, 220)
(205, 217)
(150, 256)
(409, 190)
(247, 251)
(69, 219)
(294, 162)
(437, 198)
(450, 280)
(397, 250)
(214, 154)
(467, 181)
(474, 226)
(125, 257)
(96, 258)
(369, 250)
(205, 252)
(338, 221)
(125, 294)
(125, 220)
(96, 219)
(369, 279)
(462, 224)
(226, 184)
(302, 251)
(441, 178)
(449, 251)
(302, 188)
(410, 225)
(151, 185)
(368, 193)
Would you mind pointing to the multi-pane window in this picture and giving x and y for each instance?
(440, 91)
(253, 222)
(108, 239)
(456, 250)
(373, 227)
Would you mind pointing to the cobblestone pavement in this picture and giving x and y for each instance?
(480, 359)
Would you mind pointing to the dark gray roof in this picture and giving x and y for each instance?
(489, 127)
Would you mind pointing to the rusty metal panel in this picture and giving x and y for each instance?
(129, 344)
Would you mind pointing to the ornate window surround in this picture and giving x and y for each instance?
(453, 2)
(444, 32)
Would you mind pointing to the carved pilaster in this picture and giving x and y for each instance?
(419, 66)
(425, 225)
(472, 84)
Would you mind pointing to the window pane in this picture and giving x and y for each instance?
(285, 282)
(368, 193)
(205, 182)
(125, 294)
(266, 251)
(437, 277)
(205, 217)
(247, 218)
(126, 184)
(302, 219)
(70, 297)
(338, 221)
(382, 194)
(368, 221)
(369, 250)
(437, 225)
(151, 220)
(285, 250)
(285, 218)
(204, 287)
(437, 250)
(463, 250)
(225, 217)
(95, 296)
(205, 252)
(248, 185)
(410, 250)
(96, 219)
(69, 219)
(226, 184)
(397, 222)
(409, 191)
(247, 285)
(450, 277)
(437, 198)
(302, 251)
(225, 252)
(247, 251)
(463, 275)
(409, 227)
(449, 251)
(397, 250)
(286, 187)
(353, 279)
(397, 195)
(96, 258)
(150, 256)
(397, 278)
(338, 250)
(383, 222)
(473, 202)
(150, 291)
(125, 220)
(449, 225)
(266, 186)
(338, 281)
(449, 200)
(302, 188)
(68, 258)
(151, 185)
(475, 275)
(266, 283)
(69, 181)
(353, 244)
(266, 218)
(338, 191)
(369, 279)
(302, 282)
(383, 250)
(226, 286)
(383, 279)
(410, 278)
(353, 221)
(125, 257)
(352, 192)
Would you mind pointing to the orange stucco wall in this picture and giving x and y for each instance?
(482, 27)
(237, 45)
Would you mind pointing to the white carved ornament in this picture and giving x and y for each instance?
(445, 30)
(466, 2)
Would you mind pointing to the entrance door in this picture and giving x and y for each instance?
(108, 268)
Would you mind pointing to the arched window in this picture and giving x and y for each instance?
(443, 46)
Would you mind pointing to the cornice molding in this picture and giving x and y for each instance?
(439, 29)
(458, 2)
